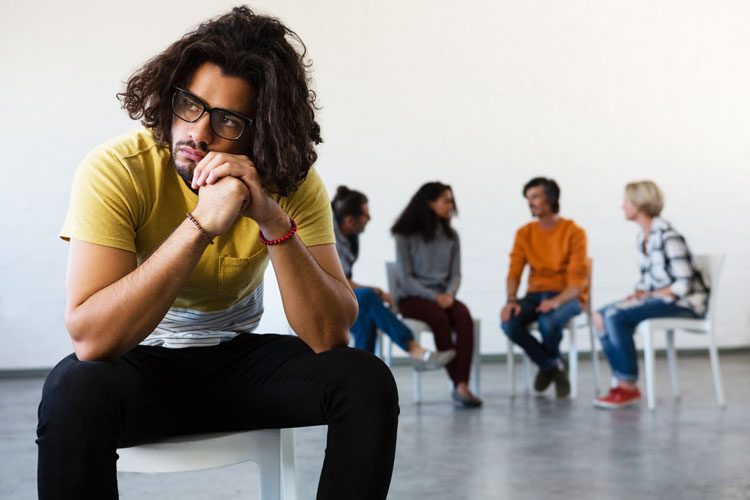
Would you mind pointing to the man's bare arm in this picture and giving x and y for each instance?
(112, 305)
(316, 295)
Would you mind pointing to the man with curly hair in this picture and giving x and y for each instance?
(171, 228)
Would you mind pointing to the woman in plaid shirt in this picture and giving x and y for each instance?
(670, 286)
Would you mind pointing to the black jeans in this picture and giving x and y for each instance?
(89, 409)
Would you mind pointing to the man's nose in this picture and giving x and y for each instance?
(200, 130)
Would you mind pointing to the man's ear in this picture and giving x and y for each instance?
(348, 221)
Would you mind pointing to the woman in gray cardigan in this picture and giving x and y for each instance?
(428, 260)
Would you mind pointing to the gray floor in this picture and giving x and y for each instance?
(523, 448)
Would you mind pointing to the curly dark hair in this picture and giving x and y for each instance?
(266, 54)
(418, 217)
(347, 202)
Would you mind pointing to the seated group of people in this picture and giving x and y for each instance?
(428, 262)
(172, 226)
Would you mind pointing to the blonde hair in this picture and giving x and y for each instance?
(646, 197)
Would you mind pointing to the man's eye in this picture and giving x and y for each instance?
(230, 121)
(192, 105)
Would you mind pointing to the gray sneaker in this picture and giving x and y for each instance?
(432, 360)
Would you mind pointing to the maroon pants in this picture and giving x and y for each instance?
(443, 323)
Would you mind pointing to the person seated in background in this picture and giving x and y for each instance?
(554, 248)
(428, 262)
(670, 286)
(351, 213)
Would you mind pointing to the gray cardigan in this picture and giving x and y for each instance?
(427, 268)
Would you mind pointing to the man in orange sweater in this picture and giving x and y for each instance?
(555, 250)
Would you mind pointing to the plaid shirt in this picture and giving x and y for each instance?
(666, 262)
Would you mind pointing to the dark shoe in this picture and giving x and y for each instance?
(461, 401)
(562, 383)
(543, 379)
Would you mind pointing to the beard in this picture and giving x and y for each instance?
(186, 167)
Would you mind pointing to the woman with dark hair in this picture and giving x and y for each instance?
(428, 259)
(351, 214)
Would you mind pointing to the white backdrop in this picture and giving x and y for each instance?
(482, 95)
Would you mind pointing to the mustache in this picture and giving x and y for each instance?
(192, 144)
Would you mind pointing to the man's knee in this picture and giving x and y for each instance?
(76, 390)
(366, 297)
(512, 329)
(364, 379)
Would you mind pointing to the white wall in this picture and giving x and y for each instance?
(482, 95)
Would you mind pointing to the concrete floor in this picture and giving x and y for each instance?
(528, 447)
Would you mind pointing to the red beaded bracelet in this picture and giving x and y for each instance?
(278, 241)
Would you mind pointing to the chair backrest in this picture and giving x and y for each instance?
(589, 285)
(710, 265)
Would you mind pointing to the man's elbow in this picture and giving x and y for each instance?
(85, 351)
(331, 341)
(85, 347)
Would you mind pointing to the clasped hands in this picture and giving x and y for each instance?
(229, 185)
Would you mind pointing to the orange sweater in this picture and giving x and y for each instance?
(557, 257)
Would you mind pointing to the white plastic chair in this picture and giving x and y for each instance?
(271, 449)
(710, 267)
(582, 320)
(384, 347)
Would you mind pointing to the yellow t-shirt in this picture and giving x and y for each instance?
(127, 194)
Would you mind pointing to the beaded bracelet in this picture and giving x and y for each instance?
(204, 233)
(278, 241)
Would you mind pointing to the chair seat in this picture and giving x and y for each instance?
(197, 451)
(417, 327)
(688, 324)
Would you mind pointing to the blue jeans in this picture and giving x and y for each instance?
(373, 315)
(620, 321)
(546, 353)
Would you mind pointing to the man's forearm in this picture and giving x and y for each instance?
(116, 318)
(566, 295)
(320, 308)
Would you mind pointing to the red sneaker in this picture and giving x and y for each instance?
(618, 397)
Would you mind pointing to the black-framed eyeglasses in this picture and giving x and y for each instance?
(224, 123)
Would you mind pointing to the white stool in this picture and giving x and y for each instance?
(271, 449)
(710, 266)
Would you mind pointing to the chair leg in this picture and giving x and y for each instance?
(269, 465)
(573, 360)
(475, 360)
(715, 369)
(672, 362)
(416, 381)
(595, 360)
(511, 361)
(387, 347)
(648, 362)
(526, 373)
(288, 469)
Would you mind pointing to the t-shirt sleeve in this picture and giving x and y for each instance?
(310, 209)
(103, 203)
